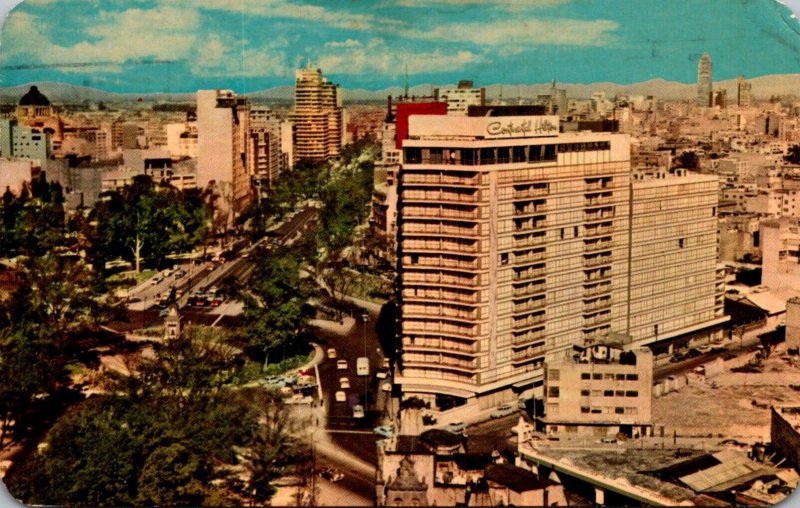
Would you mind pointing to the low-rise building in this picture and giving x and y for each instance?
(599, 389)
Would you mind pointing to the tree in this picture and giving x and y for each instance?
(688, 160)
(793, 157)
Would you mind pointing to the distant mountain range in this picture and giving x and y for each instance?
(763, 88)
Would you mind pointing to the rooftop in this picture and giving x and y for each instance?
(515, 478)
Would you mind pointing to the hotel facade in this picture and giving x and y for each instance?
(514, 244)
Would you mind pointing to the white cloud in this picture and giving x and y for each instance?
(310, 13)
(500, 4)
(225, 56)
(164, 33)
(519, 33)
(377, 57)
(349, 43)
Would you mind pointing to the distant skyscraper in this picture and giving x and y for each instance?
(744, 98)
(459, 99)
(704, 82)
(317, 116)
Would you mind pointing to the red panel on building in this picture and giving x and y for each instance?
(406, 109)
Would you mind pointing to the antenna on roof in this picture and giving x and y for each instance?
(405, 83)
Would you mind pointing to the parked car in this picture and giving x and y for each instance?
(358, 411)
(331, 353)
(381, 374)
(340, 396)
(501, 411)
(344, 383)
(456, 427)
(384, 430)
(331, 474)
(341, 364)
(677, 358)
(608, 439)
(386, 386)
(163, 312)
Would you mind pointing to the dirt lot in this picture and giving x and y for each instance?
(724, 404)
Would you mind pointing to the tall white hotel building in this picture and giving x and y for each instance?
(516, 242)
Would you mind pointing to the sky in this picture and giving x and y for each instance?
(249, 45)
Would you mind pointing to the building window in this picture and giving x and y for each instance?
(632, 377)
(584, 409)
(608, 393)
(585, 375)
(681, 243)
(553, 392)
(585, 393)
(552, 374)
(597, 377)
(632, 393)
(597, 410)
(619, 377)
(504, 258)
(619, 410)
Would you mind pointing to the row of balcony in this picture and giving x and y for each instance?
(599, 230)
(435, 195)
(442, 361)
(528, 354)
(597, 290)
(530, 273)
(530, 305)
(442, 244)
(415, 261)
(529, 224)
(529, 289)
(598, 320)
(598, 246)
(530, 208)
(597, 305)
(410, 212)
(410, 327)
(598, 200)
(595, 216)
(526, 338)
(439, 229)
(528, 322)
(591, 262)
(531, 191)
(439, 278)
(410, 178)
(531, 257)
(597, 275)
(533, 240)
(440, 294)
(440, 311)
(439, 344)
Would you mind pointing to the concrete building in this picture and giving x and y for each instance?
(317, 117)
(704, 81)
(780, 250)
(182, 139)
(222, 126)
(744, 93)
(460, 98)
(504, 224)
(35, 111)
(599, 389)
(264, 148)
(20, 142)
(793, 322)
(16, 174)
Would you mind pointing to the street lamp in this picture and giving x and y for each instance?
(365, 319)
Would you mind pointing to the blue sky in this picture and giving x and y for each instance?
(248, 45)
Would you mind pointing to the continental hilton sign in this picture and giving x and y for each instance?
(486, 127)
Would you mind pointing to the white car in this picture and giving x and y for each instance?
(341, 364)
(501, 411)
(331, 353)
(340, 396)
(358, 411)
(381, 374)
(344, 383)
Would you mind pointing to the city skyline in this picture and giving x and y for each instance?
(248, 45)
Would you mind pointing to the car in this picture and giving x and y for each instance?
(381, 374)
(501, 411)
(163, 313)
(331, 474)
(677, 358)
(215, 301)
(385, 363)
(331, 353)
(386, 386)
(178, 293)
(700, 370)
(340, 396)
(344, 383)
(607, 439)
(275, 381)
(341, 365)
(693, 353)
(155, 280)
(456, 427)
(358, 411)
(134, 299)
(384, 430)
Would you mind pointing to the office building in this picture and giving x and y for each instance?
(20, 142)
(264, 148)
(744, 95)
(460, 98)
(704, 81)
(222, 126)
(599, 389)
(514, 244)
(317, 116)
